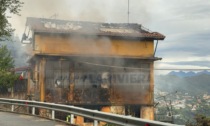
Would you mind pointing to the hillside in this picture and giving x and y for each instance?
(188, 74)
(196, 84)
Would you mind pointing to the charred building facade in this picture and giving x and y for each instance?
(94, 65)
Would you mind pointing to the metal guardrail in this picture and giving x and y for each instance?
(87, 113)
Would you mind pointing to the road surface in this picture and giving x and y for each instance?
(12, 119)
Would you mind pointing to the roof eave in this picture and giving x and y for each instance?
(129, 36)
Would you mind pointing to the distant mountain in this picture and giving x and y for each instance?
(188, 74)
(196, 84)
(203, 72)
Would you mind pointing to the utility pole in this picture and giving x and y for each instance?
(128, 10)
(54, 16)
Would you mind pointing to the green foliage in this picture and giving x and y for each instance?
(7, 78)
(200, 120)
(13, 7)
(6, 61)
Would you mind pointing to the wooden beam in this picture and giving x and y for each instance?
(41, 79)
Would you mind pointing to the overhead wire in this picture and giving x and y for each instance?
(137, 68)
(111, 66)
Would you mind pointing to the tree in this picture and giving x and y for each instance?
(7, 77)
(200, 120)
(8, 6)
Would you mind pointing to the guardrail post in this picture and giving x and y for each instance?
(53, 114)
(81, 113)
(13, 108)
(33, 110)
(72, 119)
(95, 123)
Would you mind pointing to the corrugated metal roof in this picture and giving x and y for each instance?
(91, 28)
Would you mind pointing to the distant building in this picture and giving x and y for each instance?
(101, 66)
(194, 108)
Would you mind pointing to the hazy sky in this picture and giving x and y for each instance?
(185, 23)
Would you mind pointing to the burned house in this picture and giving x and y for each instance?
(104, 66)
